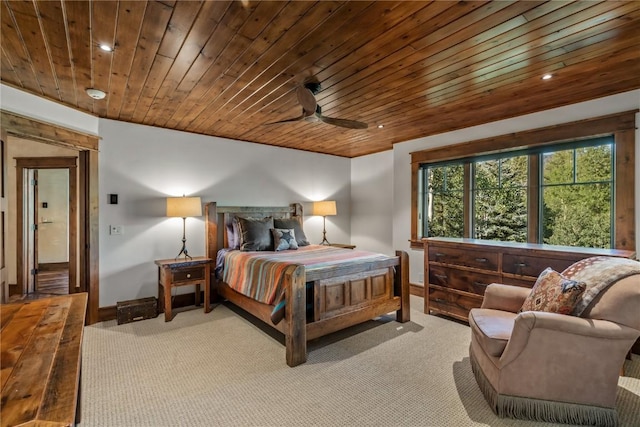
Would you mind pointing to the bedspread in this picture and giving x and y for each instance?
(259, 275)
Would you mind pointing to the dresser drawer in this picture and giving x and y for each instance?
(476, 258)
(188, 274)
(451, 303)
(468, 281)
(532, 266)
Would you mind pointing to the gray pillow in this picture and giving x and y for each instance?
(284, 239)
(255, 234)
(294, 224)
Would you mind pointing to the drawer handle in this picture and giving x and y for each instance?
(188, 275)
(520, 264)
(480, 284)
(441, 276)
(481, 260)
(439, 254)
(439, 300)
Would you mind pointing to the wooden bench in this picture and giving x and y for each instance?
(40, 359)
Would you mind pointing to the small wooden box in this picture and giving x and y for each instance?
(136, 309)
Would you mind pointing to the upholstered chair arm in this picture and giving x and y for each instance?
(542, 332)
(504, 297)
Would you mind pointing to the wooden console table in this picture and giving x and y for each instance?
(41, 355)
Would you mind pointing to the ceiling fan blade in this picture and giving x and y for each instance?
(295, 119)
(307, 100)
(350, 124)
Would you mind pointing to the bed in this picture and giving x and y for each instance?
(318, 299)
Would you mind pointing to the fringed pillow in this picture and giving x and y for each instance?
(284, 239)
(554, 293)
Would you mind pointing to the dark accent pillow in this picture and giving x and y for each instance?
(255, 234)
(554, 293)
(284, 238)
(294, 224)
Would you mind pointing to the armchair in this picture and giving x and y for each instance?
(553, 367)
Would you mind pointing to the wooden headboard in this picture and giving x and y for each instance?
(217, 218)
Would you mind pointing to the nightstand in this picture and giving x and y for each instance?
(342, 245)
(182, 272)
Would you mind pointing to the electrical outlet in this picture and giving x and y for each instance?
(116, 230)
(421, 278)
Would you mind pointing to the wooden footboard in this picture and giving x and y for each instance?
(342, 297)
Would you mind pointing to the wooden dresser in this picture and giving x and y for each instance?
(457, 271)
(41, 355)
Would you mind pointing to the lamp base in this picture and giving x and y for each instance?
(324, 232)
(184, 242)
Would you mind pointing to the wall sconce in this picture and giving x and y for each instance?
(324, 209)
(183, 207)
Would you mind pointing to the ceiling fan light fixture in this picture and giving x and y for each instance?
(96, 93)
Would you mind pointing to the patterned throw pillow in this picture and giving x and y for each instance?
(553, 293)
(284, 239)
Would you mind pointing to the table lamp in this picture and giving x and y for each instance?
(324, 209)
(183, 207)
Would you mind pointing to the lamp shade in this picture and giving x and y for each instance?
(325, 208)
(184, 206)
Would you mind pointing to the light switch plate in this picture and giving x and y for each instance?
(116, 230)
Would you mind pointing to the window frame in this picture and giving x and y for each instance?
(621, 126)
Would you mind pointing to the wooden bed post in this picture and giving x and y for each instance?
(211, 235)
(401, 287)
(295, 316)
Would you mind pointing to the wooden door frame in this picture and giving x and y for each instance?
(89, 233)
(24, 164)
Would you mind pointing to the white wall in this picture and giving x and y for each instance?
(144, 165)
(29, 105)
(372, 202)
(402, 160)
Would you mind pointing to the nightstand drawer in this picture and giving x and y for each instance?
(188, 274)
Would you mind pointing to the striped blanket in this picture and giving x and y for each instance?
(259, 275)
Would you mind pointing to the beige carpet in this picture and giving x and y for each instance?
(220, 369)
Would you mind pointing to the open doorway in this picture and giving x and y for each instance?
(49, 232)
(47, 223)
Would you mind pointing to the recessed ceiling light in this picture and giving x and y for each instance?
(106, 48)
(547, 76)
(380, 126)
(96, 93)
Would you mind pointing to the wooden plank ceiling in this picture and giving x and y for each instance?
(228, 68)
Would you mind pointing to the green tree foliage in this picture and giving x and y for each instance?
(445, 201)
(577, 201)
(500, 199)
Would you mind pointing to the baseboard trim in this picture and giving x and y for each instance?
(417, 290)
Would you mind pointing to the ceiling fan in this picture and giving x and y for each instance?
(312, 112)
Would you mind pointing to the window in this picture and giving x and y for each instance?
(577, 196)
(500, 199)
(443, 201)
(527, 187)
